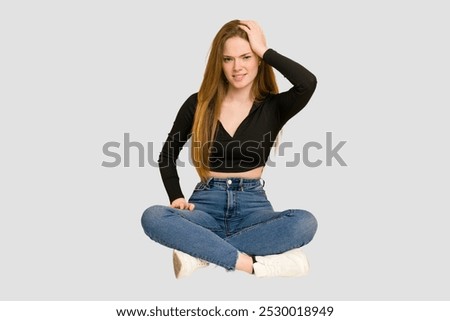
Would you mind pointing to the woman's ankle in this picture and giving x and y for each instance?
(244, 263)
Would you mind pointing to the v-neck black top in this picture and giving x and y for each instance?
(252, 141)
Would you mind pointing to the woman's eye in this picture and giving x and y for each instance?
(247, 57)
(227, 59)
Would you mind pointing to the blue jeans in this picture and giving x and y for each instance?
(230, 215)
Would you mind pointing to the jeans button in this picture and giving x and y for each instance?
(229, 182)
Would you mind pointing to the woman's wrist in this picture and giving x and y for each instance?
(262, 51)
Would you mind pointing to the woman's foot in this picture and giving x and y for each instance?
(184, 264)
(290, 263)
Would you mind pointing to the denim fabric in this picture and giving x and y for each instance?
(230, 215)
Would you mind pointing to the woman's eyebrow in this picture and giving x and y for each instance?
(246, 54)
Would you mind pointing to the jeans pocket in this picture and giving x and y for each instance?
(201, 187)
(255, 188)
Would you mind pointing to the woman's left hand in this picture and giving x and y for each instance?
(255, 36)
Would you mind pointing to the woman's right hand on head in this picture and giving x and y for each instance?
(182, 204)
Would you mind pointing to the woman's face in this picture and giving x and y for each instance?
(240, 63)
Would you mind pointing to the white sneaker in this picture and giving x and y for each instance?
(184, 264)
(290, 263)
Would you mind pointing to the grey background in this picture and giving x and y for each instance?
(77, 74)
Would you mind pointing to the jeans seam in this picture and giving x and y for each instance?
(253, 226)
(171, 246)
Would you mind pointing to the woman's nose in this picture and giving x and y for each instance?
(237, 64)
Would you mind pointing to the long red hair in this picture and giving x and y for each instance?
(212, 93)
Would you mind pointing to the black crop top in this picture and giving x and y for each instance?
(250, 146)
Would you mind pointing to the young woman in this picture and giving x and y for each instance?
(233, 121)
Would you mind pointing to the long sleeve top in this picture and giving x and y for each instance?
(252, 141)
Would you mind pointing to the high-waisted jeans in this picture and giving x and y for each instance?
(230, 216)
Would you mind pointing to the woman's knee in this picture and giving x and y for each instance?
(153, 217)
(307, 223)
(311, 220)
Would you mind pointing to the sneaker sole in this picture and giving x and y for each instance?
(176, 264)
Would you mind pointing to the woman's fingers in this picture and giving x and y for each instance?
(255, 35)
(182, 205)
(187, 206)
(245, 25)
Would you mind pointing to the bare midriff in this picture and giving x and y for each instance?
(251, 174)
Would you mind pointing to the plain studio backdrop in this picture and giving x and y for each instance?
(76, 75)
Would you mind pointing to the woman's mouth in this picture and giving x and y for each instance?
(238, 77)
